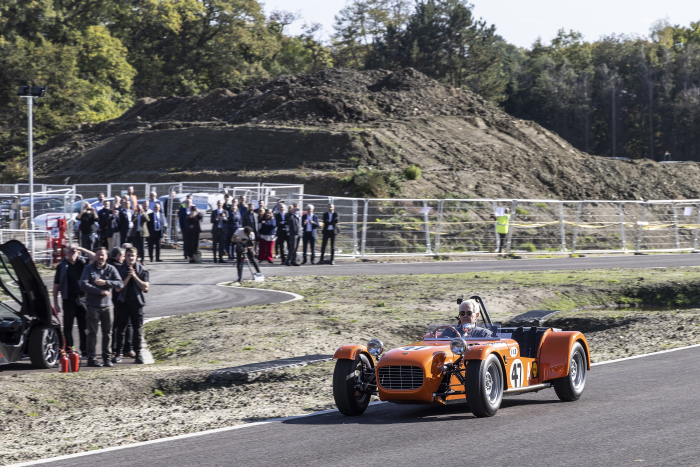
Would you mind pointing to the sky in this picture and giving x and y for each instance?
(522, 22)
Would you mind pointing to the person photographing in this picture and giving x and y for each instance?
(244, 240)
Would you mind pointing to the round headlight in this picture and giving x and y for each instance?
(458, 346)
(375, 347)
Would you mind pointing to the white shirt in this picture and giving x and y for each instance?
(330, 218)
(221, 220)
(308, 223)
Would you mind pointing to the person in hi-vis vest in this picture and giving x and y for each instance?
(502, 223)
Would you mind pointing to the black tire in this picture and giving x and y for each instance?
(484, 386)
(344, 392)
(43, 347)
(570, 387)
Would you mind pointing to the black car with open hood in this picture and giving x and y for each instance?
(28, 324)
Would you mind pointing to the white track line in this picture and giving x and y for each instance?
(645, 355)
(174, 438)
(294, 295)
(274, 420)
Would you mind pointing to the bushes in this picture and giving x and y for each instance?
(375, 183)
(412, 172)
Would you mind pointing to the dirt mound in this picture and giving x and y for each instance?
(333, 95)
(315, 129)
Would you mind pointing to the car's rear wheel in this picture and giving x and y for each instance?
(43, 347)
(570, 387)
(484, 386)
(347, 377)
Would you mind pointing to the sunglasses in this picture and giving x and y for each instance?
(468, 313)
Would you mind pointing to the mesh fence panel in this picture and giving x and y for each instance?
(32, 240)
(393, 226)
(7, 188)
(665, 227)
(536, 226)
(466, 226)
(603, 225)
(24, 188)
(93, 190)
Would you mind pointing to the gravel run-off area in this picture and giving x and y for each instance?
(51, 414)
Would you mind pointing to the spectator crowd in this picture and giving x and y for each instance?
(103, 280)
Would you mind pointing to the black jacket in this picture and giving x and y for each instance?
(142, 274)
(333, 221)
(215, 224)
(294, 228)
(152, 223)
(281, 224)
(250, 219)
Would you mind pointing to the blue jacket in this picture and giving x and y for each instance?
(314, 223)
(269, 227)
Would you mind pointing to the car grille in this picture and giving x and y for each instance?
(401, 377)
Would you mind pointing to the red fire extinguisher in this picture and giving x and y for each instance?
(74, 359)
(63, 363)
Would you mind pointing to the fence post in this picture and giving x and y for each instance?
(697, 227)
(495, 226)
(675, 226)
(622, 227)
(427, 229)
(354, 229)
(640, 223)
(364, 229)
(578, 220)
(561, 226)
(438, 229)
(510, 225)
(109, 190)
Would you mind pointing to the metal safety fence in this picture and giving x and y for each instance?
(36, 241)
(411, 227)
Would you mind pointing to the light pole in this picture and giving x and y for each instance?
(29, 93)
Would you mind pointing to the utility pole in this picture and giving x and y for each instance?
(29, 93)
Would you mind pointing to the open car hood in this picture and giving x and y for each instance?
(21, 281)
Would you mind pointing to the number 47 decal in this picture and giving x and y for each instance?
(516, 374)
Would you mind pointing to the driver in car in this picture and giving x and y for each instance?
(468, 314)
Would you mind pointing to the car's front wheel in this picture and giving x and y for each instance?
(347, 382)
(43, 347)
(484, 386)
(570, 387)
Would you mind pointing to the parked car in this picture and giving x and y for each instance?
(40, 221)
(29, 326)
(443, 369)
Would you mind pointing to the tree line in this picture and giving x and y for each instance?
(619, 96)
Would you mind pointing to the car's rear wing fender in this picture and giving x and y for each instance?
(555, 352)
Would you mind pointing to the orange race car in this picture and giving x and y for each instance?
(450, 365)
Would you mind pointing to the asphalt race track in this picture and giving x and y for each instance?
(635, 412)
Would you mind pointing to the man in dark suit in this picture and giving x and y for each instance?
(103, 220)
(330, 230)
(294, 232)
(309, 222)
(250, 219)
(182, 215)
(156, 226)
(125, 222)
(219, 221)
(234, 223)
(282, 237)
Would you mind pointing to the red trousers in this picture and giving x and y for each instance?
(266, 249)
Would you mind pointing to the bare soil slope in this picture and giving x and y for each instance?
(315, 128)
